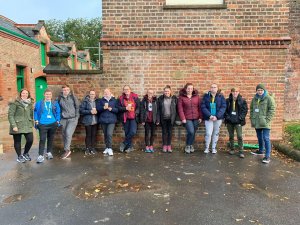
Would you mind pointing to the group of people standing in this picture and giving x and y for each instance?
(189, 109)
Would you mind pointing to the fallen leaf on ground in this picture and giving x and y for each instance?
(185, 173)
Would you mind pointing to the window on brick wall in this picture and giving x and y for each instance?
(20, 78)
(43, 54)
(195, 4)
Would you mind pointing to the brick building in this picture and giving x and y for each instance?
(292, 91)
(23, 50)
(151, 43)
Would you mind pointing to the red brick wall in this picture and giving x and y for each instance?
(12, 54)
(17, 52)
(147, 18)
(292, 92)
(242, 68)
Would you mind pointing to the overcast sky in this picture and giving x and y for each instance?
(30, 11)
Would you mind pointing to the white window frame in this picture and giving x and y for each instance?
(182, 4)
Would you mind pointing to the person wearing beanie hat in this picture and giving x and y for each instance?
(262, 110)
(260, 86)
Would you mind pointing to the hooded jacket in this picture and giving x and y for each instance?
(262, 110)
(189, 108)
(144, 109)
(85, 110)
(241, 109)
(69, 106)
(39, 108)
(20, 116)
(106, 116)
(220, 105)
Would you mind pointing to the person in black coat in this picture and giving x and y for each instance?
(90, 121)
(149, 119)
(167, 114)
(235, 119)
(107, 109)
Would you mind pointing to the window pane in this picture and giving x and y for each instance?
(194, 2)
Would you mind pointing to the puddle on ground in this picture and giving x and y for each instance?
(100, 188)
(14, 198)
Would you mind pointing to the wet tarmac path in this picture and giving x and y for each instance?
(139, 188)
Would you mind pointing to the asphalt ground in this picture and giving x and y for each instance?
(144, 188)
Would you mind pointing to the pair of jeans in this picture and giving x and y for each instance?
(17, 142)
(263, 136)
(239, 132)
(150, 128)
(108, 129)
(68, 128)
(212, 129)
(47, 132)
(166, 127)
(191, 127)
(130, 128)
(90, 136)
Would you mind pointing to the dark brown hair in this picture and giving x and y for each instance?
(65, 86)
(24, 89)
(188, 84)
(47, 90)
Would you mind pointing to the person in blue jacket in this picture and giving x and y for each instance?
(90, 121)
(213, 107)
(47, 119)
(107, 109)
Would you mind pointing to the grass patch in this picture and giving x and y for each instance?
(293, 130)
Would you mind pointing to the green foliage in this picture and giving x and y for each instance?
(294, 132)
(85, 33)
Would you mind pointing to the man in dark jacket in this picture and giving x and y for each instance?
(213, 107)
(128, 107)
(235, 115)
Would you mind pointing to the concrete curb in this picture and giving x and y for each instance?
(285, 149)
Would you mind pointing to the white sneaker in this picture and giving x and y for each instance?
(206, 151)
(40, 159)
(49, 155)
(214, 151)
(110, 152)
(106, 151)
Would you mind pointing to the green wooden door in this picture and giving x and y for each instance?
(40, 86)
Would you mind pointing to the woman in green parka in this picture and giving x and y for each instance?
(20, 117)
(262, 110)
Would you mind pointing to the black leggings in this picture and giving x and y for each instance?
(149, 133)
(17, 142)
(166, 126)
(91, 133)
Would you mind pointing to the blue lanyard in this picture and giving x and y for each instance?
(48, 109)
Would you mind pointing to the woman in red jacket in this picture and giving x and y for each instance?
(189, 113)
